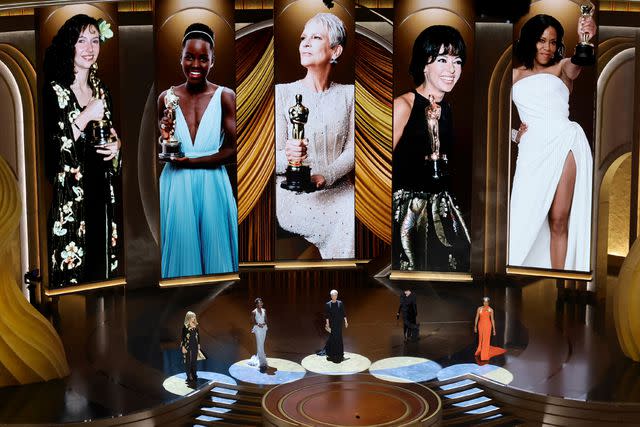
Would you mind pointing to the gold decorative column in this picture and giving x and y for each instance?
(30, 349)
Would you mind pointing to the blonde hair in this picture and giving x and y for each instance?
(187, 318)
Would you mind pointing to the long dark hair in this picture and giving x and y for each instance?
(531, 32)
(427, 47)
(58, 58)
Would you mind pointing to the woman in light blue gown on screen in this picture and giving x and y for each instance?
(198, 211)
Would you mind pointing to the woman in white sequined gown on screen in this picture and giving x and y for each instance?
(325, 217)
(550, 212)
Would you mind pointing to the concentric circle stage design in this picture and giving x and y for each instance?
(285, 372)
(405, 369)
(176, 383)
(352, 364)
(352, 400)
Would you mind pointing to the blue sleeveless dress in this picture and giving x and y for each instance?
(198, 213)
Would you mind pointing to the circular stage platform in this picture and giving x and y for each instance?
(352, 364)
(353, 400)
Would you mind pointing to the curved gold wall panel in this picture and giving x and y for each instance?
(30, 349)
(626, 302)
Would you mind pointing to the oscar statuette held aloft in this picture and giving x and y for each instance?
(584, 54)
(298, 175)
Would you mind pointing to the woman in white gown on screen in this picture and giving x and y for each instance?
(325, 217)
(550, 212)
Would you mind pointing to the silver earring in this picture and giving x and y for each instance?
(333, 61)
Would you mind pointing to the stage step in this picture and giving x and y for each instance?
(253, 409)
(241, 388)
(462, 409)
(454, 414)
(456, 389)
(504, 421)
(470, 396)
(218, 424)
(469, 419)
(231, 416)
(240, 397)
(245, 410)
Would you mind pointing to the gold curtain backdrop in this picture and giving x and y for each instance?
(255, 116)
(374, 85)
(256, 159)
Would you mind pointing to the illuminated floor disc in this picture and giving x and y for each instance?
(352, 364)
(176, 384)
(492, 372)
(280, 371)
(405, 369)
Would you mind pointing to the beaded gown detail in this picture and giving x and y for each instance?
(325, 218)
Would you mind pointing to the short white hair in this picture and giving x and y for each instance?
(333, 292)
(334, 26)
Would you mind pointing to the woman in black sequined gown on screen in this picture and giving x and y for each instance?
(429, 231)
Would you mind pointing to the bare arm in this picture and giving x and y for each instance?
(401, 111)
(493, 323)
(475, 323)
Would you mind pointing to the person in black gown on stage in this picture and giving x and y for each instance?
(190, 346)
(335, 315)
(429, 232)
(408, 309)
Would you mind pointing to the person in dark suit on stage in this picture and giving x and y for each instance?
(409, 310)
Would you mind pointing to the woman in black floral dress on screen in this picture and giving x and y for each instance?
(83, 238)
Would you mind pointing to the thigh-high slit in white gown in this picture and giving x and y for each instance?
(543, 104)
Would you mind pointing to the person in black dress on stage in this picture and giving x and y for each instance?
(190, 346)
(429, 231)
(335, 315)
(408, 309)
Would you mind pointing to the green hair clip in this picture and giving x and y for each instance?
(104, 28)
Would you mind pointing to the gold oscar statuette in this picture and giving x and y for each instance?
(298, 175)
(171, 148)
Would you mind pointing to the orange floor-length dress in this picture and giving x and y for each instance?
(485, 350)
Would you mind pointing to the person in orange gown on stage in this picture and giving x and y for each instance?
(485, 324)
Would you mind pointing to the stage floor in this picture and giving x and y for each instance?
(123, 345)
